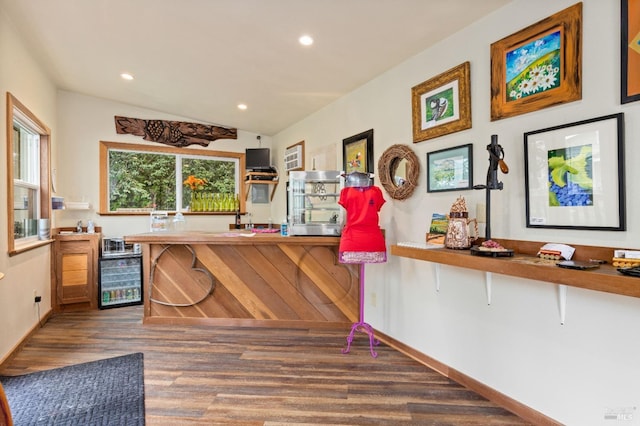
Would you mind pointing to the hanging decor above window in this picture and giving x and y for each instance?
(174, 133)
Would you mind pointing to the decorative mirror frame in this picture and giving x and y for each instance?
(387, 165)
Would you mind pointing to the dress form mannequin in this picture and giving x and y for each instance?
(362, 240)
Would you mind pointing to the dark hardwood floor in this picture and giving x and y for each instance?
(259, 376)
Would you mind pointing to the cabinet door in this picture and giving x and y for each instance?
(75, 272)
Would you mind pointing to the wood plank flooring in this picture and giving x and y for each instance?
(259, 376)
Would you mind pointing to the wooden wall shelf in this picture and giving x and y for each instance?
(260, 178)
(525, 264)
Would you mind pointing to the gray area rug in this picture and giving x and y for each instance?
(105, 392)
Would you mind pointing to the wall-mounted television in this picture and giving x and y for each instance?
(257, 159)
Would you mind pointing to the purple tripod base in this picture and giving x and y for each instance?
(361, 325)
(364, 328)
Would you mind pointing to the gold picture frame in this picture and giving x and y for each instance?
(539, 66)
(442, 104)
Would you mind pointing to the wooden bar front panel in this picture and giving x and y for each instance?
(278, 284)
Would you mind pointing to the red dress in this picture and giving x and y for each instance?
(362, 240)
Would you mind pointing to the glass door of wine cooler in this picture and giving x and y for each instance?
(120, 281)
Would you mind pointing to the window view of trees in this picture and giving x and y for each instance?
(141, 180)
(154, 179)
(219, 176)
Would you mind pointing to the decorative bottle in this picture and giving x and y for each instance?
(238, 219)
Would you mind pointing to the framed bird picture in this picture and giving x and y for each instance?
(442, 104)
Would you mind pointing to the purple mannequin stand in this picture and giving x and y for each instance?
(362, 180)
(362, 326)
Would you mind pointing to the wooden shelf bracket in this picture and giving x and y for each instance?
(562, 299)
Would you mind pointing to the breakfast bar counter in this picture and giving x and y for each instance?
(246, 279)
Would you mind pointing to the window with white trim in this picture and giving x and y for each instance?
(28, 176)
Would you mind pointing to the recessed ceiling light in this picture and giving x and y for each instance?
(242, 106)
(306, 40)
(126, 76)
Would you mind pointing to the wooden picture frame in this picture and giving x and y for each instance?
(574, 175)
(357, 153)
(450, 169)
(630, 51)
(539, 66)
(442, 104)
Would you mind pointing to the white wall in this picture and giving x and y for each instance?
(21, 75)
(84, 121)
(572, 372)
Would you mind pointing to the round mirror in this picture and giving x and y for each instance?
(398, 171)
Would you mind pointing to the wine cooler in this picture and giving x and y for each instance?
(120, 281)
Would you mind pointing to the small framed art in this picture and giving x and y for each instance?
(450, 169)
(358, 153)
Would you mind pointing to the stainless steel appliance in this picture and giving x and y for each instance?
(312, 203)
(117, 247)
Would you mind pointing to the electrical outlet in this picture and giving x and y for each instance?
(37, 299)
(374, 299)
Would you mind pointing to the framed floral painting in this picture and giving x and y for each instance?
(630, 50)
(539, 66)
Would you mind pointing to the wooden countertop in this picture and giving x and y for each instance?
(526, 264)
(229, 237)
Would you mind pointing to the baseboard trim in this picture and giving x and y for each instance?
(517, 408)
(16, 348)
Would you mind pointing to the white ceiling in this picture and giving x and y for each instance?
(200, 58)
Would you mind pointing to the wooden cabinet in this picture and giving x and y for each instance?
(75, 266)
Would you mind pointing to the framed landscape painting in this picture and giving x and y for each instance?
(442, 104)
(450, 169)
(539, 66)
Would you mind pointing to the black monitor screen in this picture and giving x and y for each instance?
(258, 158)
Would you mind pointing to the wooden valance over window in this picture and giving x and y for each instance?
(174, 133)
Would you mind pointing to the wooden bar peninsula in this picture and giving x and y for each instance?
(242, 279)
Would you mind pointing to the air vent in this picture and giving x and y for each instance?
(293, 158)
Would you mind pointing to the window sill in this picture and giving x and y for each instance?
(22, 248)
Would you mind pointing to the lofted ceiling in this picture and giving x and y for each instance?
(199, 59)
